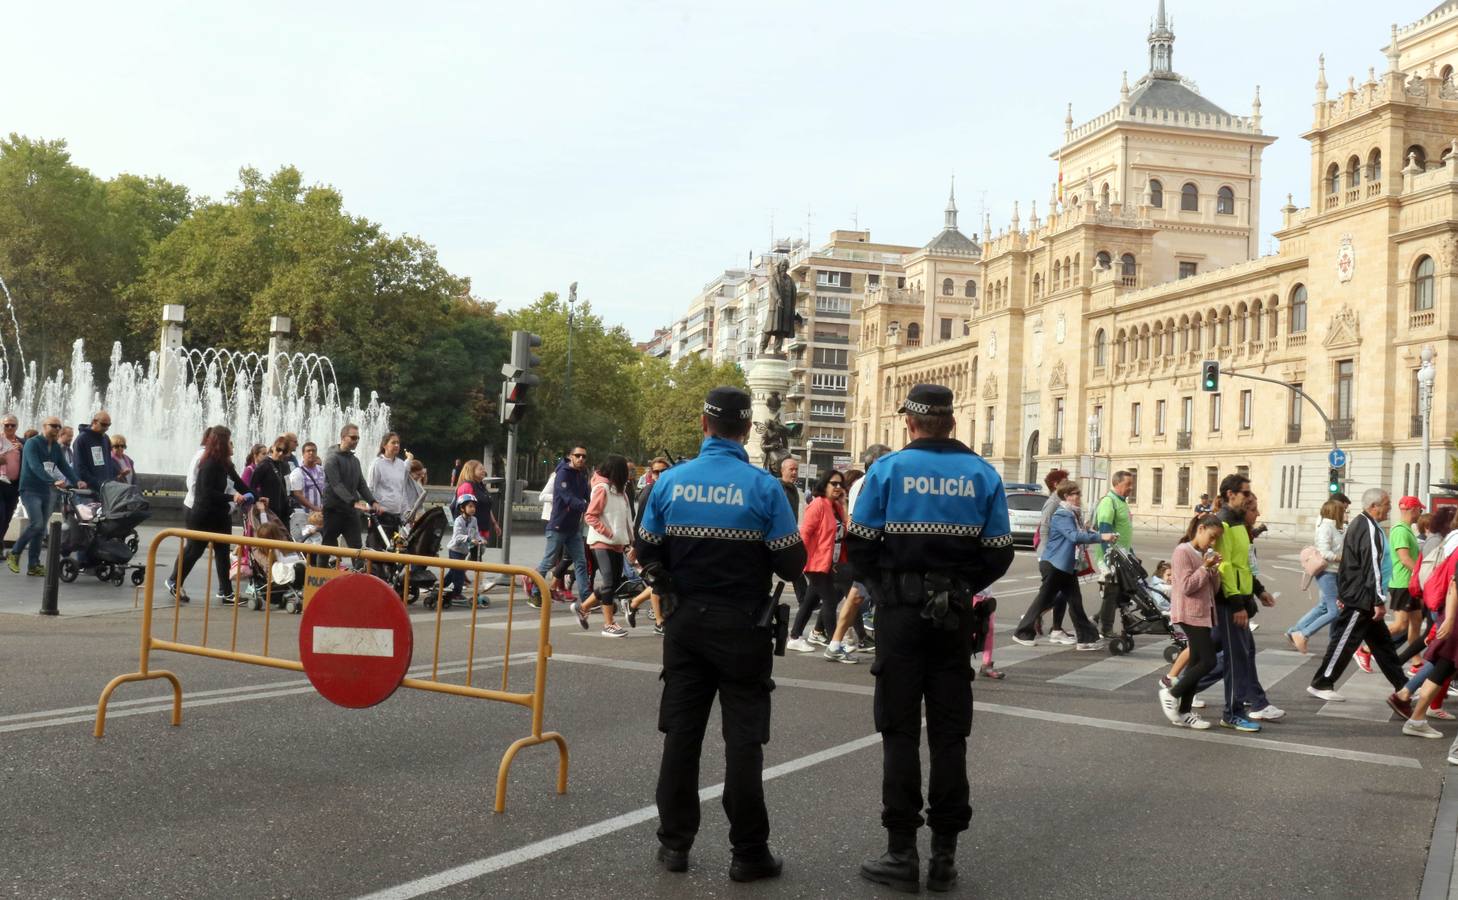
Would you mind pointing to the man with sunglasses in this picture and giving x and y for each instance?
(43, 468)
(570, 491)
(92, 452)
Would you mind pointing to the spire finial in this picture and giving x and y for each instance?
(1321, 72)
(950, 216)
(1068, 116)
(1392, 52)
(1161, 45)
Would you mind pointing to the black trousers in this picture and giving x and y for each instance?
(1353, 628)
(806, 598)
(1202, 660)
(341, 523)
(1111, 592)
(918, 662)
(1057, 584)
(713, 650)
(194, 550)
(9, 503)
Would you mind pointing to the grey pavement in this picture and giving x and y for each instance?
(1081, 789)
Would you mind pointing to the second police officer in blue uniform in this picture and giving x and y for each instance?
(929, 530)
(714, 530)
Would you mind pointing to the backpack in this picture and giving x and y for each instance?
(1435, 589)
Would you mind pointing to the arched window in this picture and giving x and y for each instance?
(1225, 202)
(1057, 274)
(1240, 321)
(913, 334)
(1417, 153)
(1126, 265)
(1190, 197)
(1197, 325)
(1184, 334)
(1446, 73)
(1144, 342)
(1333, 179)
(1104, 194)
(887, 397)
(1273, 309)
(1374, 165)
(1225, 327)
(970, 289)
(1156, 193)
(1067, 271)
(947, 287)
(1121, 347)
(1073, 201)
(1104, 260)
(1354, 172)
(1076, 258)
(1257, 321)
(1101, 348)
(1422, 285)
(1037, 284)
(1298, 310)
(974, 371)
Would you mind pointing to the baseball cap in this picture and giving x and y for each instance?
(1410, 503)
(927, 400)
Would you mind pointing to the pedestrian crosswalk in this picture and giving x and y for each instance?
(1113, 672)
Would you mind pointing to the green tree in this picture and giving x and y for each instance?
(675, 401)
(602, 407)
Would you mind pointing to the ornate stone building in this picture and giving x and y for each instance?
(1084, 346)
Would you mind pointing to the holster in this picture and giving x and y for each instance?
(774, 617)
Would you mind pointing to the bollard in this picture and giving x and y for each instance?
(53, 568)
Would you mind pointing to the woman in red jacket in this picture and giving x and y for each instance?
(822, 529)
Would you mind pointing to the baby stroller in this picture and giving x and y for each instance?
(262, 566)
(102, 536)
(1138, 611)
(420, 536)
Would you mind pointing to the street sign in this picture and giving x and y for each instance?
(355, 641)
(841, 463)
(809, 471)
(1337, 458)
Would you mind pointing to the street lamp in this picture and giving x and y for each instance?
(1426, 376)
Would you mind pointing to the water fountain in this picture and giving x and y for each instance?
(163, 405)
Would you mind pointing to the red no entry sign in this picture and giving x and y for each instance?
(355, 641)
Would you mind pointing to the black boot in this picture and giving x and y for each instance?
(755, 866)
(899, 868)
(941, 872)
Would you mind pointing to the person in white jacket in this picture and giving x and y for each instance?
(1328, 542)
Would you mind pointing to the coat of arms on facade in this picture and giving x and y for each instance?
(1346, 260)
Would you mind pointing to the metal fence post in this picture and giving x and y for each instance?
(49, 595)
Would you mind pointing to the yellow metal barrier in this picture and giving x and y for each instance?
(535, 700)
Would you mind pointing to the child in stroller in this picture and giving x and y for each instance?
(1139, 608)
(284, 570)
(101, 535)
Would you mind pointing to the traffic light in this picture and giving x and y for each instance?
(1333, 481)
(519, 378)
(1210, 375)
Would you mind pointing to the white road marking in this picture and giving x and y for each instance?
(1366, 698)
(1274, 665)
(580, 836)
(340, 641)
(1114, 672)
(1158, 730)
(1011, 653)
(163, 702)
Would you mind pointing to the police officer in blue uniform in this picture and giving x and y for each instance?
(714, 531)
(929, 530)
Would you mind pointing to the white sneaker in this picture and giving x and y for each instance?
(1453, 754)
(801, 645)
(1091, 645)
(1271, 713)
(1024, 641)
(1420, 728)
(1254, 627)
(1327, 694)
(1059, 636)
(1170, 706)
(1190, 720)
(1198, 703)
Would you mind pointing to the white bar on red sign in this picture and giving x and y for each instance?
(354, 641)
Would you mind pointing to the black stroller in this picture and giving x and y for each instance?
(102, 537)
(1138, 611)
(421, 536)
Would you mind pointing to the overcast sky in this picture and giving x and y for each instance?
(640, 148)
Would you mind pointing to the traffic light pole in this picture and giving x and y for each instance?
(1294, 389)
(510, 494)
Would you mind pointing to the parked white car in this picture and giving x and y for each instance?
(1023, 511)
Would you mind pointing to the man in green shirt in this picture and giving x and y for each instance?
(1402, 539)
(1112, 516)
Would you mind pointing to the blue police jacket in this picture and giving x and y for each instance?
(933, 507)
(720, 527)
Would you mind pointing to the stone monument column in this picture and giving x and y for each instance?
(767, 375)
(280, 331)
(168, 367)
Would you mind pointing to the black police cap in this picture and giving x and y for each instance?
(728, 404)
(928, 400)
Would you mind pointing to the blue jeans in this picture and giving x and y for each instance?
(38, 509)
(1324, 612)
(1235, 665)
(455, 579)
(570, 543)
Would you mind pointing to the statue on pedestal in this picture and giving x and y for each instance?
(775, 436)
(780, 316)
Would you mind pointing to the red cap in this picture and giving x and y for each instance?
(1410, 503)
